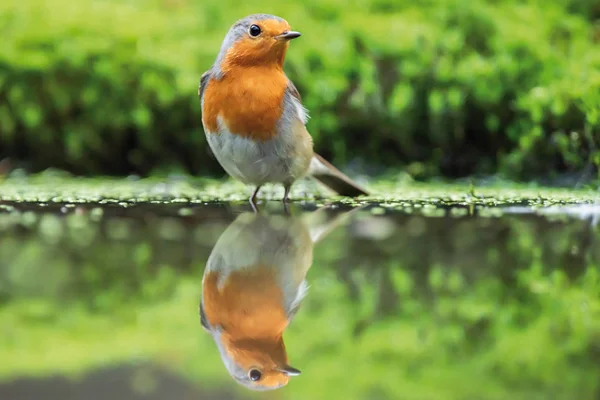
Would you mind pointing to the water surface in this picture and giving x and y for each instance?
(103, 301)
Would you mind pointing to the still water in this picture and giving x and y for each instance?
(216, 302)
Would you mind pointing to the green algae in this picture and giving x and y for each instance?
(43, 190)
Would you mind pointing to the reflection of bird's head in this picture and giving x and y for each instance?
(249, 326)
(257, 364)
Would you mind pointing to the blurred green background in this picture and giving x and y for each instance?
(436, 87)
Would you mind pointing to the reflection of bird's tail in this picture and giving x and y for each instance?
(324, 172)
(318, 225)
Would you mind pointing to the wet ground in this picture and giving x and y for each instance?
(432, 295)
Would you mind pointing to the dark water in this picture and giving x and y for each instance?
(105, 303)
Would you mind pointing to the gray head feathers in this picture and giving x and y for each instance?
(238, 30)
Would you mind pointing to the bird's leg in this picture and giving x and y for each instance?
(253, 199)
(254, 194)
(286, 195)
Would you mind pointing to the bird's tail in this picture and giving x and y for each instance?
(324, 172)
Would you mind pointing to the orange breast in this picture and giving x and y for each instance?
(250, 303)
(248, 99)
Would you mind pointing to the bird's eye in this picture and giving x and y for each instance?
(255, 30)
(254, 375)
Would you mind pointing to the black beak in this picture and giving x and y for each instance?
(289, 35)
(290, 371)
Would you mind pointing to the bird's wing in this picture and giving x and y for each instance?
(203, 320)
(203, 81)
(324, 172)
(294, 91)
(294, 96)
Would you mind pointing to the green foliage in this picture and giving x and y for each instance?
(440, 86)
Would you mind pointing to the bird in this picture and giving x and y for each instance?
(252, 113)
(253, 285)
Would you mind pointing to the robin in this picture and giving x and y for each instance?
(252, 113)
(253, 285)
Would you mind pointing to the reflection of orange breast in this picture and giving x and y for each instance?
(248, 305)
(248, 101)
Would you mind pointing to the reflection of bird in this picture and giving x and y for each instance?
(252, 113)
(252, 287)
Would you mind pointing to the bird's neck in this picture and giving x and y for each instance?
(234, 72)
(238, 60)
(274, 345)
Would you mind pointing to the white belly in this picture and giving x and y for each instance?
(253, 162)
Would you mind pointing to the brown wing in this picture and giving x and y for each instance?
(294, 91)
(203, 320)
(203, 81)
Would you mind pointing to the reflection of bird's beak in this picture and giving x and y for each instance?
(290, 371)
(289, 35)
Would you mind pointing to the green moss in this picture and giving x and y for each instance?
(47, 190)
